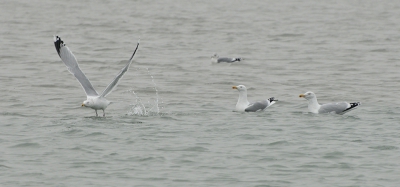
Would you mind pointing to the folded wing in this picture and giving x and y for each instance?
(260, 105)
(352, 106)
(338, 108)
(229, 60)
(72, 64)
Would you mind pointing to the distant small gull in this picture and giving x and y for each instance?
(338, 108)
(243, 105)
(217, 59)
(94, 100)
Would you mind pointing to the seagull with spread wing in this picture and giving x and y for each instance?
(94, 100)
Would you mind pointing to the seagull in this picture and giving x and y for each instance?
(337, 108)
(217, 59)
(243, 105)
(94, 100)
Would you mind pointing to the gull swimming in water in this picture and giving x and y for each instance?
(216, 59)
(243, 105)
(94, 100)
(337, 108)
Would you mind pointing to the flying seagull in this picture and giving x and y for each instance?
(94, 100)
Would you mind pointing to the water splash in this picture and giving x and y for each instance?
(138, 108)
(150, 108)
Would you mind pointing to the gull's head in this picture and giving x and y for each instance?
(240, 88)
(215, 55)
(308, 95)
(87, 103)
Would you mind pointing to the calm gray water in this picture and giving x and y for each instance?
(342, 50)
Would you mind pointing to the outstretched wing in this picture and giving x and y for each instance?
(72, 64)
(114, 83)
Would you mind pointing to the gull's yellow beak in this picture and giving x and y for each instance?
(234, 87)
(301, 95)
(83, 105)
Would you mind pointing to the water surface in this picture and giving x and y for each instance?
(342, 50)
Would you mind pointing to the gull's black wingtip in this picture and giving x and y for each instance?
(137, 46)
(272, 99)
(352, 106)
(58, 43)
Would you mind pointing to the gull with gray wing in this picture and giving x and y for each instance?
(216, 59)
(93, 100)
(243, 105)
(337, 108)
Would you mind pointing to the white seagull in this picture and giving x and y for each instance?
(216, 59)
(94, 100)
(337, 108)
(243, 105)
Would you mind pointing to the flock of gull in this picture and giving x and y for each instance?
(99, 102)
